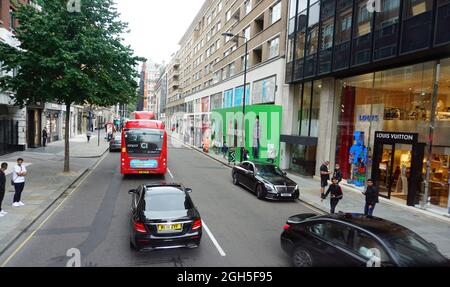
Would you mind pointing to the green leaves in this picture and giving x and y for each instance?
(72, 58)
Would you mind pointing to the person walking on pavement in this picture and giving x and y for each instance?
(371, 194)
(256, 138)
(18, 179)
(336, 194)
(337, 173)
(324, 177)
(88, 135)
(3, 168)
(44, 137)
(245, 154)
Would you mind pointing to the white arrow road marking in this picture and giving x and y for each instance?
(213, 239)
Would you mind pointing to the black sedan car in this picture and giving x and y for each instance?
(115, 144)
(346, 239)
(164, 217)
(265, 180)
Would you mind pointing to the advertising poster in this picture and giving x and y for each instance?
(262, 130)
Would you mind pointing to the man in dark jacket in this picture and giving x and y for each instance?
(337, 173)
(371, 198)
(44, 137)
(3, 168)
(336, 194)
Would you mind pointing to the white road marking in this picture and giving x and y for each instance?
(50, 215)
(170, 173)
(213, 239)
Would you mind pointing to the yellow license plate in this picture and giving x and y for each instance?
(169, 227)
(144, 172)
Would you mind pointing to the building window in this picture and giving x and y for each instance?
(327, 35)
(275, 13)
(228, 16)
(12, 19)
(264, 91)
(305, 110)
(417, 25)
(363, 20)
(386, 30)
(417, 7)
(274, 47)
(290, 50)
(343, 34)
(247, 33)
(228, 99)
(315, 109)
(442, 22)
(292, 7)
(247, 6)
(239, 96)
(216, 101)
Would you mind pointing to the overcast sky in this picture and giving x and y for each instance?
(157, 25)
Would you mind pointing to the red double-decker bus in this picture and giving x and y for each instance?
(144, 148)
(142, 116)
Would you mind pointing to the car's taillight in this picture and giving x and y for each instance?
(286, 227)
(124, 149)
(197, 224)
(139, 227)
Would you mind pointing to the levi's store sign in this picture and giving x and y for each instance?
(396, 137)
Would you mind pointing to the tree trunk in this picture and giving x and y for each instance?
(66, 140)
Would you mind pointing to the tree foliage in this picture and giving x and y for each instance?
(70, 58)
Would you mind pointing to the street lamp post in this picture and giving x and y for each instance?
(245, 87)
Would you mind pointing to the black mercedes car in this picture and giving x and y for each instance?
(265, 180)
(347, 239)
(163, 217)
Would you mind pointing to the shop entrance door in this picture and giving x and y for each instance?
(397, 165)
(394, 170)
(385, 176)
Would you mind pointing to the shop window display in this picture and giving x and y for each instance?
(358, 160)
(396, 100)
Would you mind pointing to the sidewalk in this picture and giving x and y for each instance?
(434, 228)
(46, 181)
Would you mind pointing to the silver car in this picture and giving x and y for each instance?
(116, 143)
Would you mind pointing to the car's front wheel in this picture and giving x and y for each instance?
(302, 258)
(260, 192)
(296, 195)
(235, 179)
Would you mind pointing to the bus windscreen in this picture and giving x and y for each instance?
(144, 141)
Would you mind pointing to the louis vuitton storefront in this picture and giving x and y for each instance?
(384, 131)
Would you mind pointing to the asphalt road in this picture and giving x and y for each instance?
(243, 231)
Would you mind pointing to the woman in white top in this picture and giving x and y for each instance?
(18, 179)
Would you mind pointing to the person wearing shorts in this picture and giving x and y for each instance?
(324, 177)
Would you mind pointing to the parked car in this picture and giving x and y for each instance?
(266, 180)
(346, 239)
(163, 217)
(115, 144)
